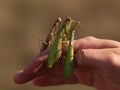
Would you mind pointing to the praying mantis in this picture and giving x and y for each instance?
(54, 40)
(69, 60)
(55, 51)
(51, 36)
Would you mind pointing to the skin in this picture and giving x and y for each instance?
(97, 65)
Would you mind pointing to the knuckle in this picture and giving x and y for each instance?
(90, 38)
(113, 61)
(112, 57)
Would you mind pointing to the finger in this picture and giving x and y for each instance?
(104, 61)
(96, 57)
(33, 70)
(94, 43)
(53, 81)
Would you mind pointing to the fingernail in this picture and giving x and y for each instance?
(18, 72)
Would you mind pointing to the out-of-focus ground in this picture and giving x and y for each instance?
(23, 22)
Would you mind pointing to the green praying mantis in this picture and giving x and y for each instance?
(69, 60)
(54, 40)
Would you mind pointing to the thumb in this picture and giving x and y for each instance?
(93, 57)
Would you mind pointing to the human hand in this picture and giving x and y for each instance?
(96, 65)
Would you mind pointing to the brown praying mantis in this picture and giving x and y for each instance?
(51, 36)
(54, 40)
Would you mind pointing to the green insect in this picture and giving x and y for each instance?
(55, 51)
(65, 33)
(69, 60)
(67, 29)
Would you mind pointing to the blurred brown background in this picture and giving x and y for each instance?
(23, 22)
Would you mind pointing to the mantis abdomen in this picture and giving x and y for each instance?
(55, 51)
(69, 60)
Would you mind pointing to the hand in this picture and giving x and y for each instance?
(97, 65)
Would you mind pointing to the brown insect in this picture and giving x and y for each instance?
(51, 36)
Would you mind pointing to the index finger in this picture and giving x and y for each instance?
(31, 71)
(94, 43)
